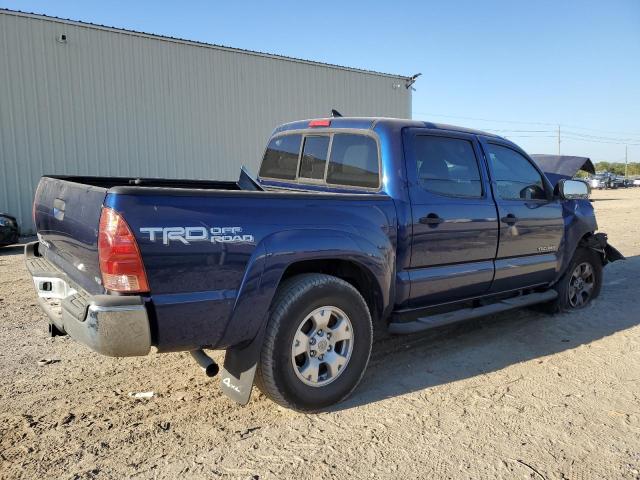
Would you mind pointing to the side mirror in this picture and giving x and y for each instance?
(573, 189)
(531, 192)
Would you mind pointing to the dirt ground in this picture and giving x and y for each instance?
(519, 395)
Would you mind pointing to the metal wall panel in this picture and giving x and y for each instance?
(110, 102)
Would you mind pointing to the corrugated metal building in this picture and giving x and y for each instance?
(85, 99)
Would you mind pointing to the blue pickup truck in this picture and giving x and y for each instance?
(352, 224)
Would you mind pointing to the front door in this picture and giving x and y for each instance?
(531, 222)
(455, 225)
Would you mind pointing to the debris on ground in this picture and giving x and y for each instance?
(47, 361)
(141, 395)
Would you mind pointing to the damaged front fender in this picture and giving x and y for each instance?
(599, 243)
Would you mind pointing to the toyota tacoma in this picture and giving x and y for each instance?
(351, 224)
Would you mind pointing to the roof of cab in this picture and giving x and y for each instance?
(371, 122)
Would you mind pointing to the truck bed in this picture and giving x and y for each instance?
(196, 279)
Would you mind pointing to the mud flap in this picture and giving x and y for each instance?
(239, 370)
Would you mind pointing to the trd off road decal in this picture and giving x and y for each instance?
(187, 235)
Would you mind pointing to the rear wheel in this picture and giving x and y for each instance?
(580, 284)
(317, 343)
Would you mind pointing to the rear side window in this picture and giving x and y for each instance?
(314, 157)
(354, 161)
(447, 166)
(281, 158)
(515, 177)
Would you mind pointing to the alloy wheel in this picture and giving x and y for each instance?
(322, 346)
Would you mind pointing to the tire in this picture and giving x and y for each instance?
(568, 299)
(286, 371)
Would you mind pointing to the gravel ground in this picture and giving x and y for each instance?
(519, 395)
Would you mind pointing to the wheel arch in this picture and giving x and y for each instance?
(365, 261)
(579, 224)
(352, 272)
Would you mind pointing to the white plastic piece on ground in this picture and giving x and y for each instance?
(145, 395)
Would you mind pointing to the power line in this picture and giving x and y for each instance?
(521, 122)
(485, 119)
(603, 131)
(570, 136)
(560, 134)
(599, 141)
(510, 130)
(574, 136)
(603, 137)
(530, 136)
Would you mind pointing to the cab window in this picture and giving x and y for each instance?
(447, 166)
(354, 161)
(281, 158)
(314, 157)
(514, 176)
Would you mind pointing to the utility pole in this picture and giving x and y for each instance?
(558, 139)
(626, 163)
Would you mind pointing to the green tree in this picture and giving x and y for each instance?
(618, 168)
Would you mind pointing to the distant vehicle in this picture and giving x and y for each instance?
(607, 180)
(636, 182)
(598, 182)
(618, 182)
(352, 224)
(8, 230)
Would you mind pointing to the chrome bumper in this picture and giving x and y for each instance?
(117, 326)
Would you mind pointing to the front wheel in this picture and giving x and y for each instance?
(317, 343)
(580, 284)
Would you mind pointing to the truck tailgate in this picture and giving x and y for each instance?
(67, 215)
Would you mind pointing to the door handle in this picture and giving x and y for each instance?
(433, 220)
(510, 219)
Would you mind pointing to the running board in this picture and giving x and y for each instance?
(432, 321)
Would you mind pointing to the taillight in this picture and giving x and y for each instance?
(120, 260)
(319, 123)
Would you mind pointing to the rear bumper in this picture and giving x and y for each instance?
(117, 326)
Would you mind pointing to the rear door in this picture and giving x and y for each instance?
(455, 225)
(531, 222)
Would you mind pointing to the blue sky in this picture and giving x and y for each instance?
(517, 67)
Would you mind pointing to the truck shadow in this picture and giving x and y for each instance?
(401, 365)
